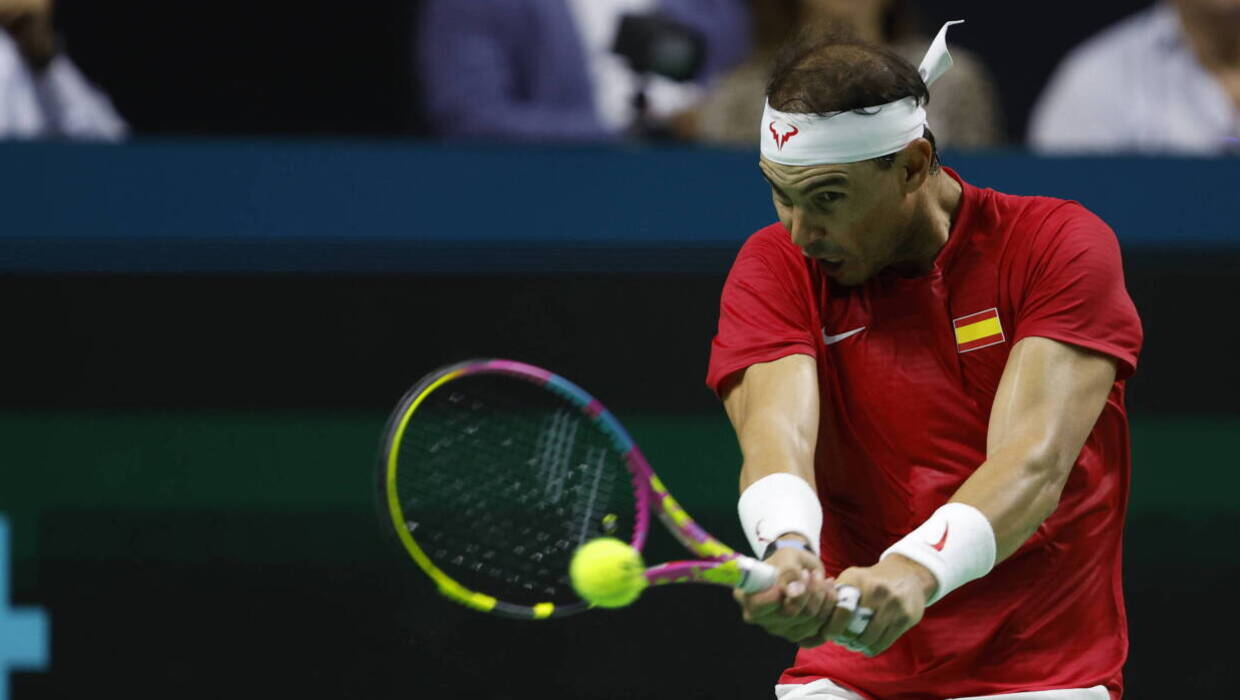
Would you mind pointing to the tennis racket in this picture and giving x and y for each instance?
(493, 472)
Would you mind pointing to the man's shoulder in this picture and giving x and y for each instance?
(998, 211)
(1020, 225)
(1023, 213)
(1034, 230)
(1047, 215)
(771, 234)
(769, 256)
(771, 242)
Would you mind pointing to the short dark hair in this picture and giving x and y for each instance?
(824, 74)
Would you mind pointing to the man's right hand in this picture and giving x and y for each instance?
(799, 605)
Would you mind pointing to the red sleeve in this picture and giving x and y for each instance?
(1069, 286)
(766, 310)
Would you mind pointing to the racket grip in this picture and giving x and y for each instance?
(759, 576)
(847, 598)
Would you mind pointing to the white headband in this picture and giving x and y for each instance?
(848, 137)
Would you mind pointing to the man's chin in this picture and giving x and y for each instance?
(841, 273)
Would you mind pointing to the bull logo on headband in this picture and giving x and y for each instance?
(781, 139)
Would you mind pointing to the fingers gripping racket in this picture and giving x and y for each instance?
(494, 472)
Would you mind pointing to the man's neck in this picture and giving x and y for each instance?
(939, 200)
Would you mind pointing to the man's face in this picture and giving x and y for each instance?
(852, 218)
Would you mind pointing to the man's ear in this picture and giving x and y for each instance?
(914, 162)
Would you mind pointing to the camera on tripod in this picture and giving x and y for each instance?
(653, 43)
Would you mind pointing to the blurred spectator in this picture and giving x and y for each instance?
(1165, 80)
(42, 94)
(963, 110)
(545, 69)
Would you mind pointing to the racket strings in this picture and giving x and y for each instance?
(500, 481)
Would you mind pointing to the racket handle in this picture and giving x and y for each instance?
(760, 576)
(847, 598)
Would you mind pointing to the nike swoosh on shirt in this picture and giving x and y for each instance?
(833, 339)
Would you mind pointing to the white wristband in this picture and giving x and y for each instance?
(780, 504)
(957, 545)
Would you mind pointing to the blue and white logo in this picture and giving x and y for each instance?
(24, 639)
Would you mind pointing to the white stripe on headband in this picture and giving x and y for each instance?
(849, 137)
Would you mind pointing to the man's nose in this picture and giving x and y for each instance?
(804, 233)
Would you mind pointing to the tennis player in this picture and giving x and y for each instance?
(927, 382)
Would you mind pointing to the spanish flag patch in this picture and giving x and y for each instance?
(979, 330)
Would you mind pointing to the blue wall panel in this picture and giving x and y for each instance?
(405, 207)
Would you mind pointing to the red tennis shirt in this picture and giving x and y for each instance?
(907, 373)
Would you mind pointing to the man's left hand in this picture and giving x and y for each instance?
(896, 589)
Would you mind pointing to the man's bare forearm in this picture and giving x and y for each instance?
(774, 409)
(1016, 488)
(1046, 405)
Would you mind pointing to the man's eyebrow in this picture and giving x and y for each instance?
(833, 180)
(824, 181)
(827, 181)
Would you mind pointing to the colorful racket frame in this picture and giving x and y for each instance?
(719, 564)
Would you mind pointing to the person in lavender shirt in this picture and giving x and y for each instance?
(1163, 81)
(544, 70)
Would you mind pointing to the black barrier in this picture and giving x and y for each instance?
(638, 341)
(201, 621)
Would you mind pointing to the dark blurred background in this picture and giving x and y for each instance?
(316, 67)
(208, 315)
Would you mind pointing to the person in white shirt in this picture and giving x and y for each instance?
(42, 94)
(1163, 81)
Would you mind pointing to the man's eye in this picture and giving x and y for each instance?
(827, 198)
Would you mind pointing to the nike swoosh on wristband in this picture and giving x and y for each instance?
(833, 339)
(939, 547)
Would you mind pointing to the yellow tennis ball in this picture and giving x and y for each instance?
(607, 572)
